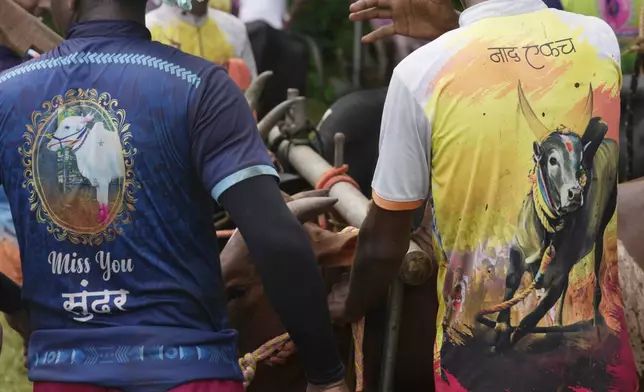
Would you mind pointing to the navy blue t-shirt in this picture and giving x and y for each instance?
(112, 149)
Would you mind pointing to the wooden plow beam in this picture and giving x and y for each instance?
(23, 31)
(352, 205)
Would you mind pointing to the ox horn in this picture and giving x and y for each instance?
(309, 208)
(536, 126)
(588, 111)
(274, 116)
(256, 89)
(314, 193)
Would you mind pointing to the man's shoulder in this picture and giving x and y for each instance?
(421, 66)
(157, 16)
(226, 20)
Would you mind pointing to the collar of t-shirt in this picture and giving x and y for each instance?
(184, 16)
(8, 59)
(109, 29)
(499, 8)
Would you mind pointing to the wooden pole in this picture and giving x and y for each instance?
(23, 31)
(353, 206)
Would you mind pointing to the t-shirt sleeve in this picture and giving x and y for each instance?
(226, 146)
(401, 179)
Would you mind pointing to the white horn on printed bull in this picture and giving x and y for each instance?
(311, 207)
(588, 112)
(274, 116)
(254, 92)
(536, 126)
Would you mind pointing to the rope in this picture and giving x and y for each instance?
(357, 330)
(329, 179)
(548, 255)
(283, 348)
(248, 362)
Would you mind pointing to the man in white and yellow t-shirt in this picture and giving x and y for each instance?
(510, 123)
(206, 32)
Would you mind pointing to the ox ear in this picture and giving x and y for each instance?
(310, 208)
(593, 138)
(87, 118)
(537, 152)
(332, 249)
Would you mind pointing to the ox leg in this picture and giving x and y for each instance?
(512, 281)
(597, 299)
(531, 320)
(103, 201)
(561, 305)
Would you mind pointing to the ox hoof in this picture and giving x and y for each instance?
(598, 320)
(103, 213)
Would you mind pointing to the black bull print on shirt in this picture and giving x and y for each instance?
(573, 198)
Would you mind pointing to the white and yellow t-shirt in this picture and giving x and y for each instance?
(512, 122)
(218, 36)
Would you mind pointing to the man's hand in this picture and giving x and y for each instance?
(338, 302)
(337, 387)
(35, 7)
(423, 19)
(19, 322)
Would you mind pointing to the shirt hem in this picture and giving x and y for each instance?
(390, 205)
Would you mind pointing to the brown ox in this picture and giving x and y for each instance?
(252, 315)
(630, 209)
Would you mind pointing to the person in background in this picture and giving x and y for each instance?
(276, 49)
(274, 12)
(10, 266)
(123, 144)
(513, 177)
(206, 32)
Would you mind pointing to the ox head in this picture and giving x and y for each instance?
(248, 308)
(68, 131)
(562, 156)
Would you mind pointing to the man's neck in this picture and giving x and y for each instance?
(108, 12)
(471, 3)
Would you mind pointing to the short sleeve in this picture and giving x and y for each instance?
(225, 143)
(401, 179)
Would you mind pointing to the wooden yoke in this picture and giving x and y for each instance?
(23, 31)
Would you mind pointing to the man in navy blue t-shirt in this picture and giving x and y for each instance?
(112, 148)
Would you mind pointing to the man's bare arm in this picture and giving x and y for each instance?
(382, 244)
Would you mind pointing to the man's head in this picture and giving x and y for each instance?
(199, 7)
(67, 12)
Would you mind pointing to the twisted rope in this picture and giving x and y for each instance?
(357, 330)
(548, 255)
(248, 362)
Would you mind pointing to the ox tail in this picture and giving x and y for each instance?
(505, 305)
